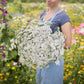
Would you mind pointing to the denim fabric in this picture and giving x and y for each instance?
(54, 73)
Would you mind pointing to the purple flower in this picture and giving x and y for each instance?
(28, 21)
(3, 1)
(4, 15)
(6, 12)
(5, 5)
(3, 10)
(4, 20)
(3, 47)
(19, 65)
(6, 25)
(3, 55)
(0, 8)
(14, 32)
(14, 63)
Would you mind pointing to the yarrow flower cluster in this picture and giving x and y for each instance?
(38, 46)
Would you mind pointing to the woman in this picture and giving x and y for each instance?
(54, 73)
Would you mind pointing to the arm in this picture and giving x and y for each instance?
(66, 30)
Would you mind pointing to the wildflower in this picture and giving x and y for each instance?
(1, 77)
(81, 25)
(30, 79)
(3, 1)
(73, 41)
(73, 31)
(83, 61)
(0, 8)
(3, 55)
(3, 47)
(1, 74)
(7, 74)
(5, 78)
(15, 76)
(6, 25)
(64, 78)
(13, 68)
(17, 81)
(14, 63)
(81, 65)
(18, 2)
(8, 65)
(33, 67)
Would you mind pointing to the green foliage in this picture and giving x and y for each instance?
(82, 1)
(23, 74)
(71, 1)
(16, 73)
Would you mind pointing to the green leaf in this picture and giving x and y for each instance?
(2, 26)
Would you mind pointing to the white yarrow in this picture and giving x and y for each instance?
(37, 45)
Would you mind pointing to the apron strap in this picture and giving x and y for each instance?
(53, 15)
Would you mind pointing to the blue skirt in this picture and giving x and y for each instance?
(51, 75)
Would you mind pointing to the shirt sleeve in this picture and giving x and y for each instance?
(65, 18)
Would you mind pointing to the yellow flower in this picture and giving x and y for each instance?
(80, 48)
(72, 50)
(82, 68)
(76, 37)
(13, 68)
(18, 2)
(82, 39)
(30, 79)
(17, 81)
(8, 65)
(7, 74)
(68, 66)
(70, 71)
(68, 56)
(26, 13)
(69, 74)
(33, 67)
(71, 66)
(5, 78)
(28, 9)
(82, 55)
(72, 79)
(68, 53)
(1, 74)
(80, 71)
(81, 43)
(67, 70)
(15, 76)
(77, 41)
(34, 15)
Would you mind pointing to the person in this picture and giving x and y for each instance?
(54, 73)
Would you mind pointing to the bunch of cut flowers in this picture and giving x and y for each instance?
(37, 45)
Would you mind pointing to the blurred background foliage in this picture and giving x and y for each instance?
(71, 1)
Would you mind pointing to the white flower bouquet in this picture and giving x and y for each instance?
(38, 46)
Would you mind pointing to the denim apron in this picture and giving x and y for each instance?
(54, 73)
